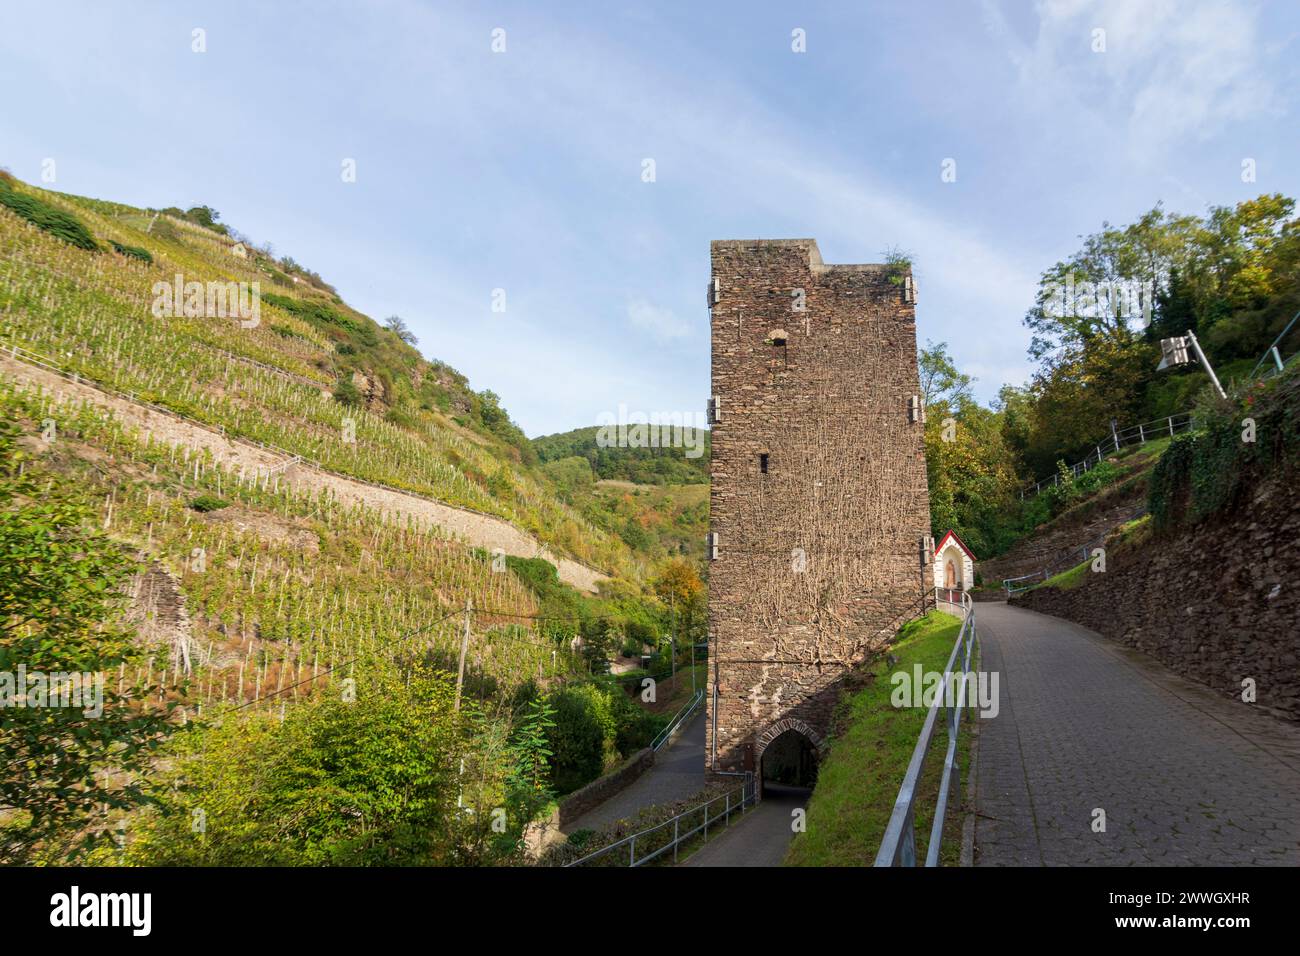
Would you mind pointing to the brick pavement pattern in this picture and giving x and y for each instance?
(761, 838)
(677, 773)
(1185, 777)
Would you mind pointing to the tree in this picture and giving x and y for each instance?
(1077, 301)
(530, 753)
(207, 217)
(972, 477)
(940, 380)
(679, 587)
(397, 324)
(61, 594)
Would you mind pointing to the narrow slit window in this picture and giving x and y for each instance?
(762, 462)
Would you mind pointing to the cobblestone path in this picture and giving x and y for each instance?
(1185, 777)
(677, 773)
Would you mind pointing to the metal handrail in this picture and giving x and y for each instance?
(746, 794)
(898, 848)
(1084, 550)
(1007, 582)
(951, 596)
(662, 737)
(1144, 432)
(1273, 351)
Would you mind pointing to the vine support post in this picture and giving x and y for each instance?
(464, 648)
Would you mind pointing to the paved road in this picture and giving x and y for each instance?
(678, 773)
(1184, 776)
(761, 838)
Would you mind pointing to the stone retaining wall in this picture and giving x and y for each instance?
(1218, 603)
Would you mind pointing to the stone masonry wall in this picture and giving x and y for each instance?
(819, 559)
(1217, 603)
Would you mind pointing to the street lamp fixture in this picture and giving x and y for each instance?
(1175, 352)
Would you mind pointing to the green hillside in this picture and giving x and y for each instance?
(277, 657)
(291, 381)
(684, 465)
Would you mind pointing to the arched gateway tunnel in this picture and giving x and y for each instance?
(819, 506)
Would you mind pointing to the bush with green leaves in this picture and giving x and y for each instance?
(346, 394)
(1205, 472)
(133, 252)
(382, 779)
(597, 725)
(582, 740)
(206, 503)
(48, 217)
(62, 590)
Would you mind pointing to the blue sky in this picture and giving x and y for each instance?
(522, 170)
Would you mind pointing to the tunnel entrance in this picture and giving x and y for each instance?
(790, 761)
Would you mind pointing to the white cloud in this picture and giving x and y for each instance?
(1171, 71)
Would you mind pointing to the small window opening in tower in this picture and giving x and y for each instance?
(762, 462)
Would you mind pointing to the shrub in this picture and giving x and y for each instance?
(577, 741)
(134, 252)
(538, 574)
(596, 725)
(61, 597)
(372, 782)
(345, 393)
(206, 503)
(1205, 472)
(53, 220)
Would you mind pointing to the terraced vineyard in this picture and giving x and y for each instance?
(235, 465)
(281, 574)
(93, 313)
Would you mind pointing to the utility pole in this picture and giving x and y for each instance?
(464, 647)
(672, 597)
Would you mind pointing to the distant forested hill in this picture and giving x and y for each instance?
(651, 466)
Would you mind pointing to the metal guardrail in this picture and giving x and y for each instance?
(1085, 551)
(1138, 434)
(683, 827)
(680, 718)
(898, 848)
(953, 597)
(1007, 583)
(1272, 352)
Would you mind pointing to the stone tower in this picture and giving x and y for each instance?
(819, 504)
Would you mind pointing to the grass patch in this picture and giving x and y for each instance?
(674, 693)
(1128, 536)
(859, 779)
(1067, 580)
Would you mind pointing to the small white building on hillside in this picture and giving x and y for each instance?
(954, 564)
